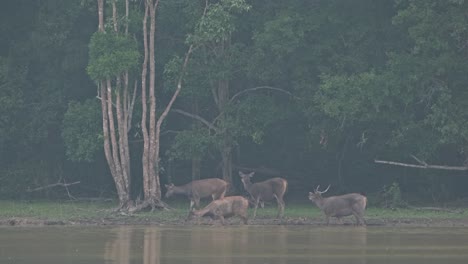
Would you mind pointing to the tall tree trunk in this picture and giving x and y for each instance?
(196, 161)
(115, 135)
(151, 149)
(146, 143)
(223, 96)
(154, 192)
(151, 187)
(226, 147)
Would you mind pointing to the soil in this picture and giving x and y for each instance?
(131, 220)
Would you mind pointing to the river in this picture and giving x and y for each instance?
(232, 244)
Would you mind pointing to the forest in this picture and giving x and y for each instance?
(115, 99)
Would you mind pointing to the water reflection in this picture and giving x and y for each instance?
(151, 246)
(237, 244)
(118, 250)
(335, 243)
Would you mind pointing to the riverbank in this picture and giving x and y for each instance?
(72, 213)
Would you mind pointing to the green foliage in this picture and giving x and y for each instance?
(110, 54)
(82, 130)
(391, 195)
(284, 34)
(190, 144)
(218, 22)
(11, 103)
(360, 97)
(16, 178)
(251, 117)
(369, 78)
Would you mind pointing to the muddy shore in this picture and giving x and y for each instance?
(131, 220)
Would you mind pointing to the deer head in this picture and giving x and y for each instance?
(317, 195)
(170, 189)
(245, 178)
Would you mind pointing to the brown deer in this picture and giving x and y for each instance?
(340, 206)
(195, 190)
(265, 191)
(225, 207)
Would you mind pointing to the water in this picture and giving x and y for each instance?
(238, 244)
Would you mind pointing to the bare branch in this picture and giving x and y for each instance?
(420, 161)
(179, 82)
(52, 185)
(250, 90)
(177, 91)
(258, 88)
(424, 166)
(131, 106)
(196, 117)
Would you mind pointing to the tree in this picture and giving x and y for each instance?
(151, 139)
(112, 55)
(212, 72)
(35, 84)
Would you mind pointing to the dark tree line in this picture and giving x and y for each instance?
(150, 92)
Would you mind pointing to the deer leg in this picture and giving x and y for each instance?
(244, 219)
(340, 220)
(221, 195)
(328, 219)
(280, 203)
(221, 218)
(197, 202)
(256, 206)
(362, 221)
(359, 219)
(191, 204)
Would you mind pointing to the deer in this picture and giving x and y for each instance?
(197, 189)
(225, 207)
(340, 206)
(265, 191)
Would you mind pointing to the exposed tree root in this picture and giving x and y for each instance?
(150, 204)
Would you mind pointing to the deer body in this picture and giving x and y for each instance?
(225, 207)
(195, 190)
(268, 190)
(341, 206)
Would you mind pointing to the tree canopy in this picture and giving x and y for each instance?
(312, 91)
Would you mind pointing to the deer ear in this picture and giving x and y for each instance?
(251, 174)
(167, 186)
(240, 173)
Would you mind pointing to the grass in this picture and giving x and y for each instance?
(96, 211)
(54, 209)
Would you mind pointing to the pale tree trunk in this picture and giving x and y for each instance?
(196, 161)
(154, 188)
(226, 145)
(151, 138)
(222, 100)
(145, 157)
(116, 147)
(151, 186)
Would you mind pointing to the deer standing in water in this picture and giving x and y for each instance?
(260, 192)
(195, 190)
(340, 206)
(225, 207)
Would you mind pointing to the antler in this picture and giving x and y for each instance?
(317, 191)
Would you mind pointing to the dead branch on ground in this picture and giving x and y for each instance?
(422, 165)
